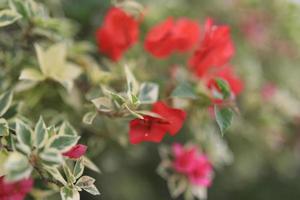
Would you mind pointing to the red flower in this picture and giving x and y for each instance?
(16, 190)
(170, 36)
(215, 50)
(76, 151)
(118, 32)
(227, 74)
(153, 129)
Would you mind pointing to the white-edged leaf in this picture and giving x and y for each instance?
(4, 129)
(68, 193)
(67, 129)
(8, 17)
(78, 168)
(103, 104)
(89, 164)
(92, 189)
(85, 181)
(55, 173)
(51, 157)
(31, 75)
(17, 167)
(148, 93)
(24, 133)
(40, 133)
(70, 177)
(132, 84)
(5, 102)
(63, 142)
(184, 90)
(89, 117)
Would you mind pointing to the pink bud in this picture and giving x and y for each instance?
(76, 151)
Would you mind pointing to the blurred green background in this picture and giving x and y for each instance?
(265, 138)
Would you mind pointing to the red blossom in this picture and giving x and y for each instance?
(16, 190)
(118, 32)
(76, 151)
(153, 129)
(170, 36)
(195, 166)
(215, 50)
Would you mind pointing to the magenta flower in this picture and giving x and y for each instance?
(76, 151)
(195, 166)
(16, 190)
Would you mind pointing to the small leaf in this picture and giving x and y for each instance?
(70, 177)
(148, 93)
(63, 142)
(67, 129)
(92, 189)
(85, 181)
(41, 133)
(224, 87)
(78, 168)
(5, 102)
(17, 167)
(89, 164)
(4, 129)
(132, 84)
(223, 117)
(184, 90)
(103, 104)
(32, 75)
(68, 193)
(8, 17)
(54, 172)
(24, 133)
(51, 156)
(89, 117)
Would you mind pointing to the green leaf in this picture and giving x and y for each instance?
(78, 168)
(5, 102)
(40, 133)
(184, 90)
(67, 129)
(89, 164)
(17, 167)
(51, 156)
(89, 117)
(132, 84)
(4, 129)
(24, 133)
(70, 177)
(63, 142)
(32, 75)
(8, 17)
(54, 172)
(224, 87)
(223, 117)
(148, 93)
(87, 183)
(103, 104)
(68, 193)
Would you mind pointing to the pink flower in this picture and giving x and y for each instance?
(16, 190)
(201, 174)
(76, 151)
(184, 158)
(195, 166)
